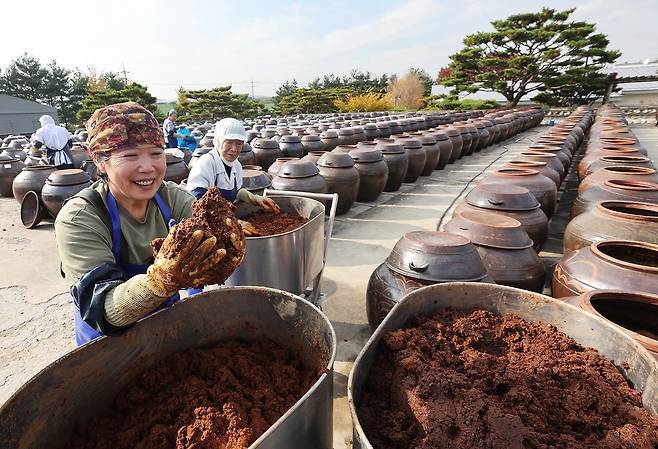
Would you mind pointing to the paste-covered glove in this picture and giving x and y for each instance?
(248, 229)
(257, 200)
(34, 151)
(168, 275)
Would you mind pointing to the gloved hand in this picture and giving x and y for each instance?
(257, 200)
(168, 275)
(248, 229)
(34, 151)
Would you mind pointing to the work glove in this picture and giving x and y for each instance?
(248, 229)
(257, 200)
(34, 151)
(168, 274)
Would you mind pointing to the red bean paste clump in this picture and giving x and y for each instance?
(479, 380)
(209, 214)
(219, 398)
(267, 223)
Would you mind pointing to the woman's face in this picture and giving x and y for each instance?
(135, 173)
(231, 149)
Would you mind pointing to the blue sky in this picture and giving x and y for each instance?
(201, 44)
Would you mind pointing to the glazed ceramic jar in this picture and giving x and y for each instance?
(177, 170)
(346, 136)
(383, 130)
(608, 161)
(551, 160)
(274, 169)
(457, 143)
(267, 151)
(255, 181)
(512, 201)
(484, 135)
(415, 155)
(32, 178)
(313, 156)
(9, 170)
(421, 258)
(247, 155)
(615, 190)
(475, 137)
(432, 153)
(61, 185)
(330, 139)
(613, 220)
(300, 176)
(504, 247)
(445, 147)
(635, 313)
(623, 172)
(373, 173)
(268, 133)
(342, 178)
(371, 132)
(291, 146)
(467, 139)
(613, 264)
(539, 185)
(541, 167)
(312, 142)
(359, 134)
(397, 161)
(563, 155)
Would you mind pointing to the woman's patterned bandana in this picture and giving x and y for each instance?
(115, 126)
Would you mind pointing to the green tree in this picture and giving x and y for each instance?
(534, 52)
(97, 98)
(425, 78)
(312, 101)
(215, 104)
(24, 78)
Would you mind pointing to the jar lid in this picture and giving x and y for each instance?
(292, 138)
(336, 160)
(437, 257)
(489, 229)
(348, 131)
(266, 144)
(298, 169)
(361, 155)
(68, 177)
(172, 158)
(328, 134)
(246, 148)
(311, 138)
(408, 142)
(502, 197)
(391, 148)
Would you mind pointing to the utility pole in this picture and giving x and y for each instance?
(252, 89)
(125, 74)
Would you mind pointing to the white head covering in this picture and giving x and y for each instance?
(46, 120)
(52, 136)
(228, 129)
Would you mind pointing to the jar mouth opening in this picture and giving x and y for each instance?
(628, 253)
(631, 210)
(630, 169)
(631, 185)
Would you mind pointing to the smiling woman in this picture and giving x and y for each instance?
(104, 233)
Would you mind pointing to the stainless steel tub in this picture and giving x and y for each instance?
(635, 362)
(289, 261)
(46, 410)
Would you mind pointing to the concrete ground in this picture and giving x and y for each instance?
(36, 321)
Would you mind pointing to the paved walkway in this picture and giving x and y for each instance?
(36, 325)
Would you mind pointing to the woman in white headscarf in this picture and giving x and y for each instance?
(57, 141)
(220, 168)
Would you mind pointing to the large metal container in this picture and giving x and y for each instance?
(47, 409)
(289, 261)
(634, 362)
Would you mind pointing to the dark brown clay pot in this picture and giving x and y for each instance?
(457, 143)
(291, 146)
(342, 178)
(614, 264)
(608, 161)
(504, 247)
(541, 167)
(467, 139)
(539, 185)
(273, 170)
(615, 190)
(373, 173)
(300, 176)
(313, 156)
(563, 156)
(255, 181)
(312, 143)
(329, 139)
(415, 155)
(31, 178)
(635, 313)
(346, 136)
(32, 209)
(623, 172)
(613, 220)
(176, 169)
(267, 151)
(247, 155)
(397, 161)
(445, 147)
(551, 160)
(421, 258)
(9, 170)
(475, 137)
(61, 185)
(432, 153)
(514, 202)
(484, 135)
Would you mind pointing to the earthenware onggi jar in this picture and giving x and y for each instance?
(615, 190)
(373, 173)
(276, 166)
(613, 220)
(267, 151)
(247, 155)
(255, 181)
(541, 167)
(342, 178)
(397, 161)
(61, 185)
(512, 201)
(415, 154)
(176, 169)
(504, 247)
(625, 172)
(312, 142)
(31, 178)
(432, 152)
(330, 139)
(551, 160)
(9, 170)
(457, 142)
(608, 161)
(371, 132)
(301, 176)
(539, 185)
(612, 264)
(418, 259)
(291, 146)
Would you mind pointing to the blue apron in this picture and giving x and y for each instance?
(84, 332)
(230, 196)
